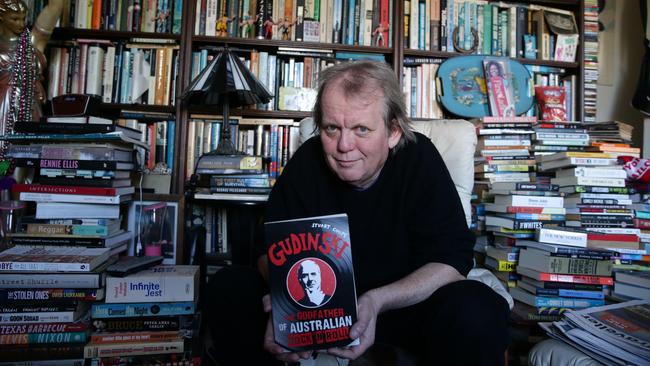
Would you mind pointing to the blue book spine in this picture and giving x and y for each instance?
(421, 25)
(171, 133)
(100, 311)
(273, 172)
(178, 14)
(598, 295)
(450, 26)
(349, 37)
(468, 22)
(573, 303)
(124, 78)
(215, 135)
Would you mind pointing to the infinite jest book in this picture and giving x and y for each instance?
(312, 282)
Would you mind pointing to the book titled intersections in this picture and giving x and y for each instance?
(312, 282)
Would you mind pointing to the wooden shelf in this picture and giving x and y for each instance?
(525, 61)
(73, 33)
(252, 43)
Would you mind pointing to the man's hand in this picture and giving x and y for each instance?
(274, 348)
(364, 329)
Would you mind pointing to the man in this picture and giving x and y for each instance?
(310, 280)
(411, 247)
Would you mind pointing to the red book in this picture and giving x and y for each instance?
(92, 191)
(384, 20)
(613, 237)
(567, 278)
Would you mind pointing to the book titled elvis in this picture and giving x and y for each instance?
(314, 300)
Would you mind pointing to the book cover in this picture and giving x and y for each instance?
(312, 282)
(158, 283)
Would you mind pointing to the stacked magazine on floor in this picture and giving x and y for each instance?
(616, 334)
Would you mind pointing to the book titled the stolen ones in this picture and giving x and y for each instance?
(314, 300)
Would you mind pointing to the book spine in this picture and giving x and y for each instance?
(579, 266)
(594, 280)
(102, 311)
(68, 198)
(143, 324)
(33, 295)
(40, 338)
(135, 349)
(44, 266)
(43, 328)
(54, 229)
(162, 288)
(37, 317)
(597, 295)
(239, 182)
(560, 302)
(50, 280)
(135, 337)
(561, 237)
(68, 190)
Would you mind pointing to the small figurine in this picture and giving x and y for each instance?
(222, 26)
(285, 28)
(248, 25)
(378, 33)
(268, 28)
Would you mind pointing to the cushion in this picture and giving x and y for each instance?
(456, 142)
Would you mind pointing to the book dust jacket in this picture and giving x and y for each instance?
(312, 282)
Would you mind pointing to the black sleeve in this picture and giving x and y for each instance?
(438, 227)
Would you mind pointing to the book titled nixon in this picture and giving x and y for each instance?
(312, 282)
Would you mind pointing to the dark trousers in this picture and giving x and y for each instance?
(463, 323)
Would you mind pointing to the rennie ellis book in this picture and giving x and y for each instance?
(314, 300)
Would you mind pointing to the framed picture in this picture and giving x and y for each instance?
(155, 225)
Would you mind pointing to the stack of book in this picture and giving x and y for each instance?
(551, 137)
(151, 313)
(631, 284)
(81, 181)
(518, 209)
(610, 131)
(560, 270)
(232, 176)
(45, 293)
(503, 150)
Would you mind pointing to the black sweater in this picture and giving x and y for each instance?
(409, 217)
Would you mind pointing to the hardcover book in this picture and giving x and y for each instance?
(312, 282)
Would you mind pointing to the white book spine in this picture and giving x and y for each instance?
(537, 201)
(589, 181)
(68, 198)
(38, 317)
(94, 73)
(50, 280)
(109, 72)
(44, 266)
(592, 173)
(552, 236)
(211, 18)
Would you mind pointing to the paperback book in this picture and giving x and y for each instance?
(312, 282)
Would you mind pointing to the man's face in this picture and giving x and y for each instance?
(310, 276)
(12, 22)
(355, 139)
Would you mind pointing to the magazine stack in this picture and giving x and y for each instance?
(617, 334)
(562, 269)
(148, 315)
(79, 181)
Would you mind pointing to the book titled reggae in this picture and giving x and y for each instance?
(312, 282)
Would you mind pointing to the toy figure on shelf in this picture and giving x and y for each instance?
(22, 61)
(248, 25)
(378, 34)
(268, 28)
(285, 28)
(222, 26)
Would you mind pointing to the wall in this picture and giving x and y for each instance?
(621, 50)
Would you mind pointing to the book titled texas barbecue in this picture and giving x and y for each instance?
(314, 300)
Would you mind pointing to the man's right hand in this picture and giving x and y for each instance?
(269, 342)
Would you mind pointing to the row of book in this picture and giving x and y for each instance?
(512, 30)
(353, 22)
(590, 60)
(120, 72)
(154, 16)
(274, 140)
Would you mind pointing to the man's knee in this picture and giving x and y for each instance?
(473, 307)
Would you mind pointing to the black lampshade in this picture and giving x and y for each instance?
(226, 80)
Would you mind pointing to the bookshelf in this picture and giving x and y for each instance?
(187, 42)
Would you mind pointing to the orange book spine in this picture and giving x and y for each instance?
(96, 20)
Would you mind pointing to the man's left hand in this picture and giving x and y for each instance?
(363, 329)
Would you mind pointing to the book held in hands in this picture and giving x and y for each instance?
(312, 282)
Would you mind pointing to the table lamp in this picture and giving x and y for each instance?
(226, 82)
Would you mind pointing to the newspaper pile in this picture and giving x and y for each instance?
(617, 334)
